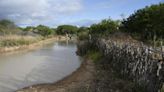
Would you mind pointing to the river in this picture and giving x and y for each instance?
(48, 64)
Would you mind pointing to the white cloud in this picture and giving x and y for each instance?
(37, 11)
(85, 22)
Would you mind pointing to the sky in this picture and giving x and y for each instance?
(76, 12)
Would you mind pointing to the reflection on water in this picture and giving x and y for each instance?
(46, 65)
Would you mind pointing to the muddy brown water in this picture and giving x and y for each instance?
(48, 64)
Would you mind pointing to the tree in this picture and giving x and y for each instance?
(146, 22)
(29, 28)
(66, 29)
(44, 30)
(82, 29)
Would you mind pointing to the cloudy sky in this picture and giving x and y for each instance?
(77, 12)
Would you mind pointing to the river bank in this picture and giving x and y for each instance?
(98, 76)
(47, 64)
(129, 60)
(31, 46)
(78, 81)
(91, 76)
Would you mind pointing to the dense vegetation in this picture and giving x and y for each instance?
(106, 26)
(12, 35)
(44, 30)
(8, 27)
(146, 23)
(82, 33)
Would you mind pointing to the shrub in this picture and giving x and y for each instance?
(8, 27)
(94, 55)
(83, 36)
(105, 27)
(83, 33)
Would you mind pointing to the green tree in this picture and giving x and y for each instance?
(146, 22)
(44, 30)
(29, 28)
(66, 29)
(83, 29)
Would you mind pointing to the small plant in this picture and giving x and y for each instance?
(83, 36)
(94, 55)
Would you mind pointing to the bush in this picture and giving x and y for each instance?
(83, 36)
(105, 27)
(8, 27)
(94, 55)
(83, 33)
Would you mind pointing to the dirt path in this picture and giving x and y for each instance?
(80, 80)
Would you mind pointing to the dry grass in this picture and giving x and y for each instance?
(15, 40)
(162, 89)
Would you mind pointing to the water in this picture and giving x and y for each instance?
(46, 65)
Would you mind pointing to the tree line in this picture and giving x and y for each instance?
(9, 27)
(146, 24)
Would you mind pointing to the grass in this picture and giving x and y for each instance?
(83, 36)
(94, 55)
(15, 40)
(162, 90)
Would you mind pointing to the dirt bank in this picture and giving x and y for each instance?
(39, 44)
(81, 78)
